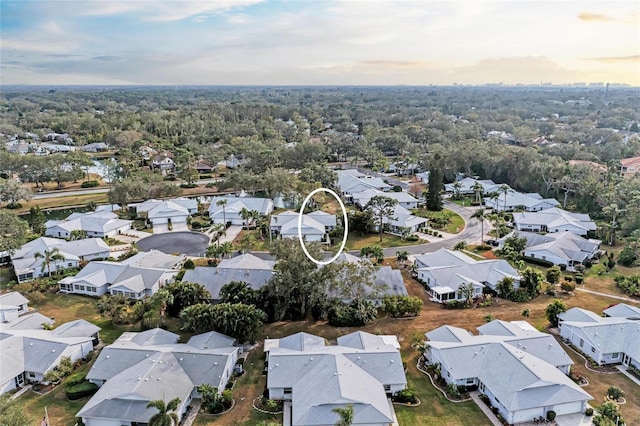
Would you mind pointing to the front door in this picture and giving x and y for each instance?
(625, 359)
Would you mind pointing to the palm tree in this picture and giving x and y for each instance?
(456, 189)
(480, 215)
(165, 298)
(505, 189)
(166, 415)
(49, 256)
(245, 214)
(478, 190)
(497, 221)
(223, 202)
(219, 230)
(346, 415)
(402, 256)
(226, 248)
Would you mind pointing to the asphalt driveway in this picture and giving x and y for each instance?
(189, 243)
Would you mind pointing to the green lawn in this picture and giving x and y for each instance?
(356, 241)
(435, 409)
(454, 223)
(71, 200)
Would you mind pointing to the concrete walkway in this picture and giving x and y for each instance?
(231, 234)
(623, 370)
(475, 396)
(612, 296)
(192, 413)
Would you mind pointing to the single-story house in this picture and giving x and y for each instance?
(247, 268)
(27, 266)
(156, 259)
(315, 225)
(404, 199)
(531, 202)
(232, 211)
(362, 370)
(100, 277)
(561, 248)
(14, 313)
(467, 184)
(164, 162)
(445, 271)
(188, 203)
(96, 224)
(142, 367)
(622, 310)
(402, 220)
(96, 147)
(386, 281)
(26, 355)
(401, 168)
(234, 161)
(554, 220)
(352, 181)
(202, 167)
(521, 370)
(610, 340)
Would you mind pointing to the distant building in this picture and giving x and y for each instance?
(95, 224)
(315, 226)
(232, 211)
(514, 200)
(554, 220)
(630, 167)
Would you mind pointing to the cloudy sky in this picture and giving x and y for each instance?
(374, 42)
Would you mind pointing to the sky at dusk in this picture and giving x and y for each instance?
(330, 42)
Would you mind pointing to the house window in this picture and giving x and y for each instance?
(470, 380)
(91, 289)
(79, 287)
(593, 349)
(581, 343)
(533, 255)
(387, 388)
(287, 390)
(32, 375)
(69, 264)
(544, 257)
(615, 355)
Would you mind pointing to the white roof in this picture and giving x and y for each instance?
(235, 205)
(515, 199)
(526, 362)
(468, 183)
(622, 310)
(13, 298)
(362, 198)
(565, 245)
(555, 218)
(611, 334)
(23, 258)
(99, 221)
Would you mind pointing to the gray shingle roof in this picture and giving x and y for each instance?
(141, 367)
(13, 298)
(555, 218)
(245, 268)
(622, 310)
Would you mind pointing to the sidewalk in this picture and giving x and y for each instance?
(486, 410)
(230, 235)
(623, 370)
(612, 296)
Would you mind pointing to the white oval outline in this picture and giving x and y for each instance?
(345, 223)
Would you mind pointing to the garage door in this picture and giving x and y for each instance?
(160, 228)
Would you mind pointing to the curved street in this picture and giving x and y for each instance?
(470, 234)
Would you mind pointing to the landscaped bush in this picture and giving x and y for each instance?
(90, 184)
(76, 379)
(567, 286)
(550, 290)
(80, 390)
(520, 295)
(483, 247)
(413, 238)
(551, 415)
(589, 412)
(454, 304)
(188, 185)
(188, 264)
(407, 396)
(402, 306)
(357, 313)
(579, 278)
(630, 285)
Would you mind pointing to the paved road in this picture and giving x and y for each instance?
(189, 243)
(470, 234)
(86, 191)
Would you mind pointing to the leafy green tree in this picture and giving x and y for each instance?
(553, 310)
(436, 186)
(553, 274)
(460, 245)
(238, 292)
(615, 393)
(382, 208)
(186, 294)
(609, 415)
(166, 415)
(505, 287)
(531, 280)
(14, 231)
(360, 221)
(78, 234)
(354, 281)
(515, 243)
(244, 322)
(37, 220)
(12, 414)
(345, 414)
(12, 192)
(50, 256)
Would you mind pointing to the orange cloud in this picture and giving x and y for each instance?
(595, 17)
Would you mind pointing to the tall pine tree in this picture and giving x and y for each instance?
(436, 185)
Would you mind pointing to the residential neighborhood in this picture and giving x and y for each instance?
(470, 256)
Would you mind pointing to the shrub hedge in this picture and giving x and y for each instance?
(80, 390)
